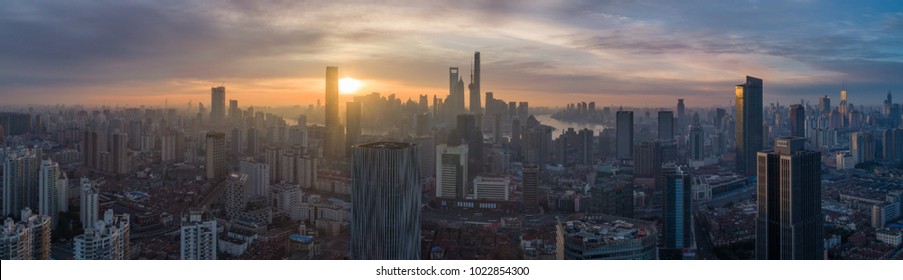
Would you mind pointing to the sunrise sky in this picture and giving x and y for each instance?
(612, 52)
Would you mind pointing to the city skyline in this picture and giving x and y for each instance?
(560, 160)
(270, 54)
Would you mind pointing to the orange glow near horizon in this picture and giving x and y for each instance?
(279, 92)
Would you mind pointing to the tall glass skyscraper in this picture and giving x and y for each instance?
(20, 181)
(678, 198)
(475, 107)
(451, 179)
(798, 120)
(665, 125)
(49, 194)
(198, 236)
(216, 156)
(335, 133)
(332, 96)
(531, 186)
(749, 125)
(624, 136)
(353, 111)
(789, 225)
(218, 104)
(385, 201)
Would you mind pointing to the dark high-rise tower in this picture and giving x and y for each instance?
(665, 125)
(332, 96)
(452, 84)
(585, 147)
(234, 112)
(489, 102)
(892, 144)
(612, 196)
(824, 105)
(697, 142)
(749, 125)
(216, 156)
(648, 157)
(644, 159)
(624, 132)
(681, 114)
(20, 181)
(333, 148)
(253, 146)
(238, 136)
(90, 148)
(677, 185)
(789, 223)
(475, 107)
(523, 110)
(218, 104)
(719, 118)
(385, 201)
(798, 120)
(468, 131)
(422, 124)
(120, 153)
(454, 103)
(353, 124)
(531, 186)
(862, 146)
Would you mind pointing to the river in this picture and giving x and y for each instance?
(562, 126)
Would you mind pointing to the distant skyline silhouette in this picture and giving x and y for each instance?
(615, 53)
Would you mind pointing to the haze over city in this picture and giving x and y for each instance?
(451, 131)
(271, 53)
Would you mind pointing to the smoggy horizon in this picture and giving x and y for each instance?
(133, 53)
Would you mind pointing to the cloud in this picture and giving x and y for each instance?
(608, 50)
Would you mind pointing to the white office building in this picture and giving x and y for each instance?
(106, 239)
(844, 160)
(89, 210)
(29, 239)
(890, 237)
(198, 236)
(258, 177)
(491, 188)
(287, 196)
(49, 191)
(451, 171)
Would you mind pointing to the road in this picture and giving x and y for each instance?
(461, 216)
(62, 251)
(704, 247)
(741, 193)
(154, 233)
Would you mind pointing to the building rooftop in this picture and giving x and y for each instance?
(306, 239)
(386, 145)
(604, 229)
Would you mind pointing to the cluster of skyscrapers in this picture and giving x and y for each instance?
(235, 171)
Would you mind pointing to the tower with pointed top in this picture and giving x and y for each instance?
(475, 107)
(843, 92)
(843, 108)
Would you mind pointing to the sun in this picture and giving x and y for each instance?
(349, 85)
